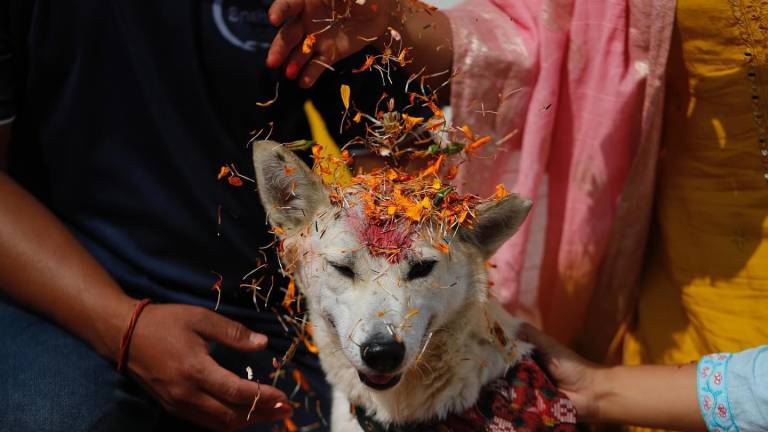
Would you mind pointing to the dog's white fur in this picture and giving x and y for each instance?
(460, 338)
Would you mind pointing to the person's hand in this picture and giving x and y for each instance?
(573, 375)
(337, 33)
(169, 357)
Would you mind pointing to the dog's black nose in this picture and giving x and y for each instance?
(383, 355)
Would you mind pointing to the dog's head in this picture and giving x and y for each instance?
(375, 293)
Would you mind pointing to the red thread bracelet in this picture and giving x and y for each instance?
(125, 342)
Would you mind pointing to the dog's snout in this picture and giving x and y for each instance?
(383, 355)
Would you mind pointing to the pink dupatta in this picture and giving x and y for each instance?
(574, 89)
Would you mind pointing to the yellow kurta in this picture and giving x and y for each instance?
(705, 285)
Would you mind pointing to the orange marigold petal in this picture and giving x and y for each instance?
(223, 171)
(345, 94)
(442, 247)
(309, 42)
(501, 192)
(477, 144)
(290, 295)
(369, 59)
(290, 426)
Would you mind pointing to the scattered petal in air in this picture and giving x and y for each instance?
(467, 132)
(273, 100)
(411, 122)
(290, 426)
(223, 172)
(300, 379)
(277, 230)
(501, 192)
(435, 110)
(309, 42)
(411, 313)
(345, 94)
(477, 144)
(394, 33)
(290, 296)
(217, 287)
(442, 247)
(324, 64)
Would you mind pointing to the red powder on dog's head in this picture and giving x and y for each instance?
(389, 241)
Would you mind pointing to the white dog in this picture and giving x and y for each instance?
(408, 340)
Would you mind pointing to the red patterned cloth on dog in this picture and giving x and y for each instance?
(524, 400)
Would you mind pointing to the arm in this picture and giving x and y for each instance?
(43, 267)
(35, 248)
(651, 396)
(421, 29)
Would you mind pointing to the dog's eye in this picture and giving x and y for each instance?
(345, 271)
(421, 269)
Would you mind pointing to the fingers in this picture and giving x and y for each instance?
(313, 70)
(567, 368)
(216, 328)
(227, 386)
(296, 62)
(281, 10)
(263, 402)
(288, 38)
(535, 336)
(215, 415)
(212, 414)
(550, 349)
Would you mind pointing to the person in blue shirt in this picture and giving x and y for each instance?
(116, 117)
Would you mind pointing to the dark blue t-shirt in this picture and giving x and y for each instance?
(126, 110)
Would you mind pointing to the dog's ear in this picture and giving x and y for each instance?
(496, 222)
(290, 192)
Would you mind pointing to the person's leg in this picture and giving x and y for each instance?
(52, 381)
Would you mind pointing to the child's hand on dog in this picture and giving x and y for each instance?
(654, 396)
(169, 357)
(574, 375)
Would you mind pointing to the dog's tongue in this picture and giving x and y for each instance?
(379, 379)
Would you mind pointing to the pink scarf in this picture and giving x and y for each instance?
(574, 88)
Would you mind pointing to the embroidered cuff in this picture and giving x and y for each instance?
(713, 394)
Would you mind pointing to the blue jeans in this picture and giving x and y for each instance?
(53, 381)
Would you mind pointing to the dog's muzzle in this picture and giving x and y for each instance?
(383, 356)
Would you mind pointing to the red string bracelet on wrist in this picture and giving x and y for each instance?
(125, 342)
